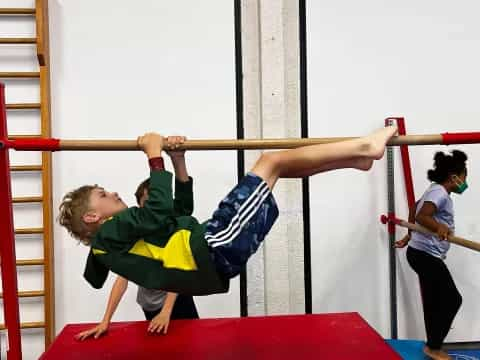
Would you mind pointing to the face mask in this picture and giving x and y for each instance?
(461, 186)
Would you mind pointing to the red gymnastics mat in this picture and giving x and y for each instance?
(297, 337)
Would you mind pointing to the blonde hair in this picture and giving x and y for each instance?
(73, 207)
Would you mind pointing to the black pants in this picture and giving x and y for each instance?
(184, 308)
(441, 299)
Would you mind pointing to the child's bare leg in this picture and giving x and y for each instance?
(360, 163)
(310, 160)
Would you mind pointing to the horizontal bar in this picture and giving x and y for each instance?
(233, 144)
(27, 199)
(28, 294)
(28, 325)
(17, 11)
(43, 144)
(24, 106)
(30, 262)
(27, 231)
(18, 40)
(26, 168)
(416, 227)
(19, 74)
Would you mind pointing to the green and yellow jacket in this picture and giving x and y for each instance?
(158, 246)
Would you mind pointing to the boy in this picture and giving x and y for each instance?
(161, 246)
(158, 306)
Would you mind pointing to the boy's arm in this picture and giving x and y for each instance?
(183, 202)
(158, 210)
(162, 319)
(116, 294)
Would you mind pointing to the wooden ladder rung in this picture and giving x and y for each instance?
(19, 137)
(27, 199)
(28, 325)
(27, 231)
(30, 262)
(28, 294)
(19, 74)
(23, 106)
(26, 168)
(18, 40)
(17, 11)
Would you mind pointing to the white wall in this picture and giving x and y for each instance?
(117, 72)
(368, 61)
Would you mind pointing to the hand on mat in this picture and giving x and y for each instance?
(172, 144)
(402, 242)
(96, 331)
(159, 323)
(443, 231)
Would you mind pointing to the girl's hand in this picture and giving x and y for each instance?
(402, 242)
(443, 231)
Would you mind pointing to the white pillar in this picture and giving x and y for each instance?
(270, 44)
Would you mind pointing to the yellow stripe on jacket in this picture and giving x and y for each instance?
(177, 254)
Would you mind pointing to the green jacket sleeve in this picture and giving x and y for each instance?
(157, 213)
(183, 201)
(95, 272)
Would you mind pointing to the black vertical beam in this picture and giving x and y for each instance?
(240, 130)
(307, 256)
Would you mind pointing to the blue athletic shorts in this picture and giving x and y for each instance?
(240, 224)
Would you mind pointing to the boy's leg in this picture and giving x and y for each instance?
(354, 163)
(310, 160)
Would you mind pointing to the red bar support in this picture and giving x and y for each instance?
(407, 169)
(7, 246)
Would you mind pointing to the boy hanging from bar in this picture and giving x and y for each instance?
(162, 246)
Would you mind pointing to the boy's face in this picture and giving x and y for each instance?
(103, 204)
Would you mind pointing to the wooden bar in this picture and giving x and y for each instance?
(45, 113)
(245, 144)
(37, 143)
(41, 7)
(27, 199)
(472, 245)
(28, 294)
(17, 11)
(28, 231)
(20, 137)
(28, 325)
(19, 75)
(22, 168)
(30, 262)
(25, 106)
(18, 40)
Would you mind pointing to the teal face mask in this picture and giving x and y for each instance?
(461, 186)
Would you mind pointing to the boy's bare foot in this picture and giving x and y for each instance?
(436, 354)
(376, 142)
(362, 164)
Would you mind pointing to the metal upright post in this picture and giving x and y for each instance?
(391, 235)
